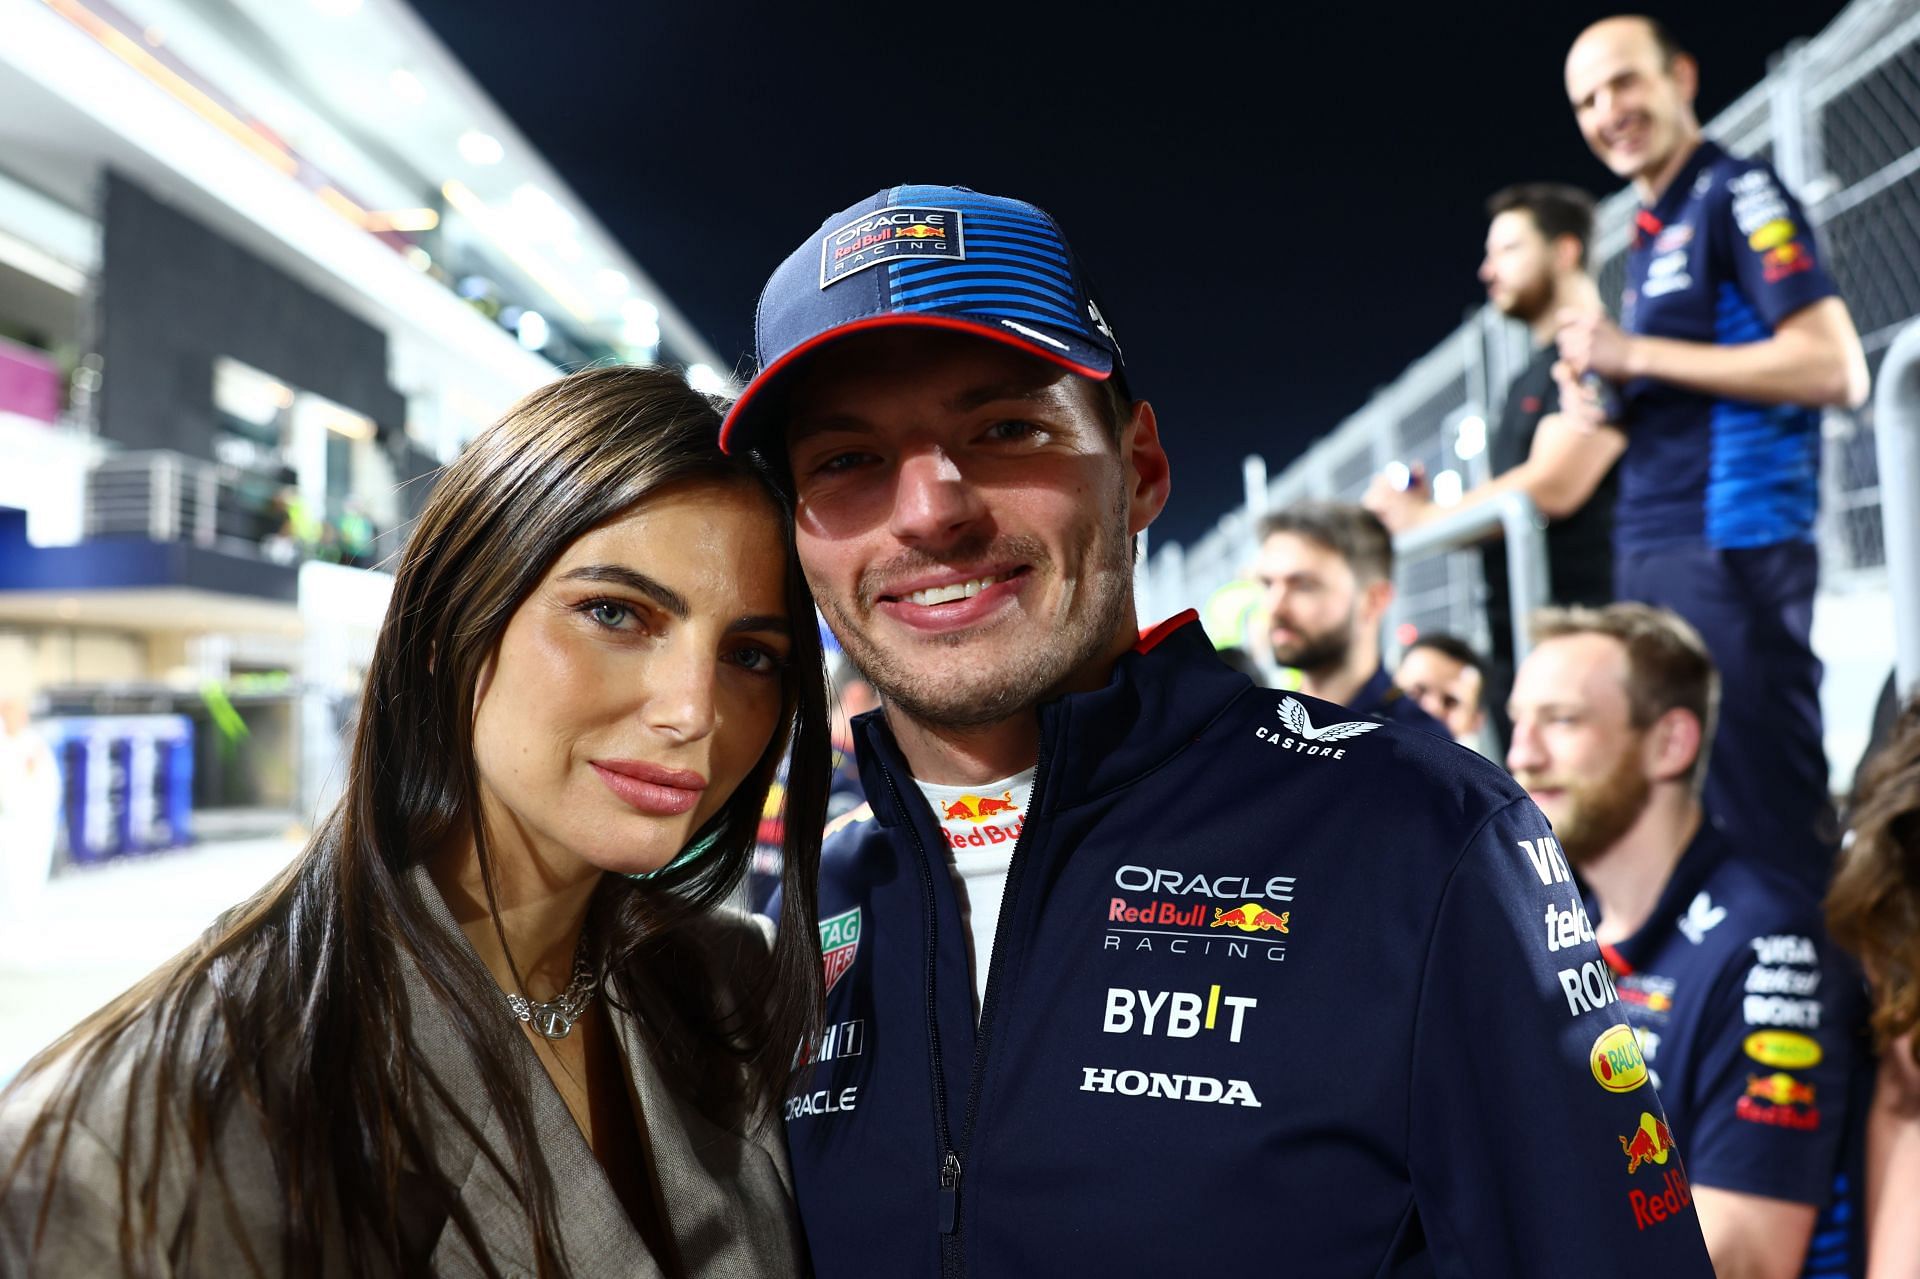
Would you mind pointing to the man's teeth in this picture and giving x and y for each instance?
(957, 591)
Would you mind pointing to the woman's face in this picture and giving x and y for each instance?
(639, 683)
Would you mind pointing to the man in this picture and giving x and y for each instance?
(1534, 268)
(1447, 678)
(1742, 1009)
(1254, 967)
(1731, 341)
(1328, 572)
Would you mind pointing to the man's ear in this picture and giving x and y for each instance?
(1375, 599)
(1673, 745)
(1149, 474)
(1686, 74)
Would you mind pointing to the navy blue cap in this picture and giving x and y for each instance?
(935, 257)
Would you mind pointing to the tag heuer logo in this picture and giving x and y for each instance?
(839, 943)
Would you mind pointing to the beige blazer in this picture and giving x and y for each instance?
(727, 1191)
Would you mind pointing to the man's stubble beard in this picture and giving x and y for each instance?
(963, 695)
(1323, 653)
(1602, 811)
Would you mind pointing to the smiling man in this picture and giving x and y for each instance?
(1750, 1020)
(1732, 339)
(1127, 957)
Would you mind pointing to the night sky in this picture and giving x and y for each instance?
(1281, 209)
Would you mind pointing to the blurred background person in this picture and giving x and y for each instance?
(1746, 1016)
(598, 646)
(1874, 911)
(1535, 267)
(1448, 679)
(1327, 568)
(853, 695)
(1732, 339)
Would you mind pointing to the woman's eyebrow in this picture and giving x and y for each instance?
(775, 622)
(620, 575)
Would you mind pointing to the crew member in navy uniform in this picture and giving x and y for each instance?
(1731, 341)
(1750, 1021)
(1328, 572)
(1259, 981)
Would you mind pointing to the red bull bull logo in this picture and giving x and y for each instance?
(1251, 917)
(1785, 260)
(1650, 1143)
(1781, 1089)
(920, 231)
(1776, 1100)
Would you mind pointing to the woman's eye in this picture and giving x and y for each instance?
(757, 660)
(608, 613)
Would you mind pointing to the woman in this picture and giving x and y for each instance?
(493, 1020)
(1873, 909)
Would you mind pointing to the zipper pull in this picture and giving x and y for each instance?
(949, 1193)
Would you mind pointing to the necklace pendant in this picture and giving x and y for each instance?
(551, 1020)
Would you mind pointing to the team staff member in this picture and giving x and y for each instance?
(1448, 679)
(1260, 968)
(1747, 1016)
(1731, 341)
(1328, 572)
(1535, 267)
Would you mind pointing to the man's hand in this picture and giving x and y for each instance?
(1580, 408)
(1591, 343)
(1399, 508)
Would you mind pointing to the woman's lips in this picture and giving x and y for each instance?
(656, 791)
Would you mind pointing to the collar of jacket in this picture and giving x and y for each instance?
(1162, 694)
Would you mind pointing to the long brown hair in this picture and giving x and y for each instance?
(303, 981)
(1873, 907)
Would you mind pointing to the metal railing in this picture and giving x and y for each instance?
(1524, 531)
(1839, 116)
(165, 496)
(1897, 411)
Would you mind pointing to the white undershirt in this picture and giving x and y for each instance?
(979, 847)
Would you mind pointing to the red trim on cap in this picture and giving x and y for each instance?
(1150, 639)
(899, 320)
(1616, 960)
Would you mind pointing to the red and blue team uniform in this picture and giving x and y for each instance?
(1270, 990)
(1717, 498)
(1754, 1028)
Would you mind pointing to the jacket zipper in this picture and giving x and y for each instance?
(949, 1159)
(953, 1261)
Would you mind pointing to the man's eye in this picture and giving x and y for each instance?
(834, 463)
(1012, 430)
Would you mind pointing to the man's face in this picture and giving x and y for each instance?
(1313, 602)
(1575, 748)
(965, 517)
(1518, 267)
(1632, 107)
(1446, 689)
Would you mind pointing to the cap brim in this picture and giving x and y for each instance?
(747, 420)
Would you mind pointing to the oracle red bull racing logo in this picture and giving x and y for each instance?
(839, 943)
(893, 232)
(1175, 927)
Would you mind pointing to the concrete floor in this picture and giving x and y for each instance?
(92, 933)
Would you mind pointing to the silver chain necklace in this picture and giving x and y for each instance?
(554, 1018)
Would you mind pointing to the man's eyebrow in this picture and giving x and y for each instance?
(639, 583)
(992, 393)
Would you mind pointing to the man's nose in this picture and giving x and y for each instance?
(932, 498)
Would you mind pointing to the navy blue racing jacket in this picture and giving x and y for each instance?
(1271, 987)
